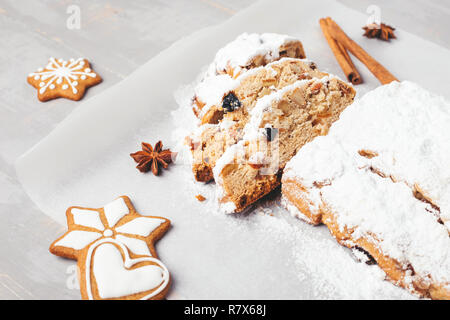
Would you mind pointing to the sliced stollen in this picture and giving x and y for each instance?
(209, 142)
(247, 52)
(220, 95)
(380, 181)
(279, 125)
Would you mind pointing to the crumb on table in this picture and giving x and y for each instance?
(200, 198)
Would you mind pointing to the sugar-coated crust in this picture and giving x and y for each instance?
(380, 181)
(65, 248)
(248, 51)
(70, 83)
(291, 49)
(298, 196)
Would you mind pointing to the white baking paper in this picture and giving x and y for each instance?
(265, 254)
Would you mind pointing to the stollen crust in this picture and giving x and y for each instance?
(253, 50)
(380, 181)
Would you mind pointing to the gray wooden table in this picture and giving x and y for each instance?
(117, 36)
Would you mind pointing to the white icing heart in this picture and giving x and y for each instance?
(113, 275)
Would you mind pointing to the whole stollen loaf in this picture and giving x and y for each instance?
(380, 181)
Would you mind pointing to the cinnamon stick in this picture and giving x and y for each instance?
(380, 72)
(341, 54)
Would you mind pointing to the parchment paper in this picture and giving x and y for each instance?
(262, 255)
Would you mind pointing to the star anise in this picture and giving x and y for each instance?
(153, 158)
(383, 31)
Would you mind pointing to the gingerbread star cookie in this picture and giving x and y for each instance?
(63, 79)
(114, 249)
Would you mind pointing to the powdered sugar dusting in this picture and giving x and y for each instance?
(405, 128)
(212, 89)
(327, 270)
(239, 53)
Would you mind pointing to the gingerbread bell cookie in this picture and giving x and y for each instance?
(114, 247)
(63, 79)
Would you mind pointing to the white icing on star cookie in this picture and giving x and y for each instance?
(88, 227)
(58, 70)
(68, 78)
